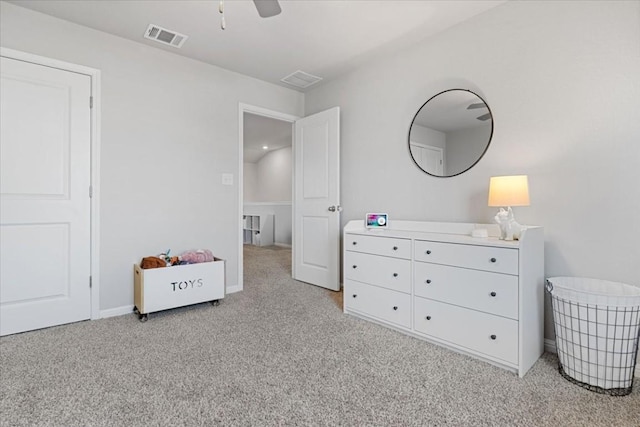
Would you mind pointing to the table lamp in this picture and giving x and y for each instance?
(507, 191)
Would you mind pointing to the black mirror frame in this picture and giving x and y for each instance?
(481, 155)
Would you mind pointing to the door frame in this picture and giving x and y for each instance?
(264, 112)
(94, 75)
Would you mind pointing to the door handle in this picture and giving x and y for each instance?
(332, 208)
(337, 208)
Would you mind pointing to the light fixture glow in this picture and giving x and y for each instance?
(264, 147)
(509, 191)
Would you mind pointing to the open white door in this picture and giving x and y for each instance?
(316, 217)
(45, 241)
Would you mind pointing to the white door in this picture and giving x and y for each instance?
(44, 196)
(316, 220)
(428, 158)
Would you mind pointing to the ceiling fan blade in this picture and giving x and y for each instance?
(478, 105)
(484, 117)
(267, 8)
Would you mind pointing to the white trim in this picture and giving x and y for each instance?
(118, 311)
(550, 346)
(267, 203)
(94, 74)
(233, 289)
(282, 245)
(96, 93)
(264, 112)
(47, 62)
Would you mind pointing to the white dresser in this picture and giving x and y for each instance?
(480, 296)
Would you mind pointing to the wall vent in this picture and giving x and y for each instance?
(301, 79)
(164, 36)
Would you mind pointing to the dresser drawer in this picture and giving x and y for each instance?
(391, 273)
(384, 304)
(491, 335)
(493, 293)
(488, 258)
(378, 245)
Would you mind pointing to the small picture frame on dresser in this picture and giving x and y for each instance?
(376, 220)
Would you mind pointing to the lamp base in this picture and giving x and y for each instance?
(509, 228)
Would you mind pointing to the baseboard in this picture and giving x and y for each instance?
(284, 245)
(118, 311)
(233, 289)
(550, 346)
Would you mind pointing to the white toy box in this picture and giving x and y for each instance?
(158, 289)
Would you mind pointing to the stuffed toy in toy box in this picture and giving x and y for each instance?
(152, 262)
(196, 256)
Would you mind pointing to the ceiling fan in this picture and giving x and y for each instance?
(475, 106)
(266, 9)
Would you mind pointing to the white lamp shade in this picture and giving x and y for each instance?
(509, 190)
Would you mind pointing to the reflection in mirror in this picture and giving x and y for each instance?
(450, 133)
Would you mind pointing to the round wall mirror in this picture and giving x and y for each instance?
(450, 133)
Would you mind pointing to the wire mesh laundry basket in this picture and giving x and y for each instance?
(597, 327)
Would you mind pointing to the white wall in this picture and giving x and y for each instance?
(274, 176)
(465, 146)
(269, 179)
(250, 181)
(270, 186)
(562, 80)
(428, 136)
(169, 130)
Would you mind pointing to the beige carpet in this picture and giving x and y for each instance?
(279, 353)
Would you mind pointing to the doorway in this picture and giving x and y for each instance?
(315, 200)
(265, 182)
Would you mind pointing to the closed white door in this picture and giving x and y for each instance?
(428, 158)
(44, 196)
(316, 222)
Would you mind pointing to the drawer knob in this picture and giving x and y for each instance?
(428, 281)
(354, 295)
(395, 248)
(355, 266)
(395, 307)
(428, 317)
(428, 252)
(493, 337)
(493, 260)
(493, 294)
(355, 243)
(395, 274)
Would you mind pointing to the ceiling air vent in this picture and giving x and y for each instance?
(301, 79)
(164, 36)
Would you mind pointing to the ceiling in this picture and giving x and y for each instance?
(449, 111)
(324, 38)
(259, 131)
